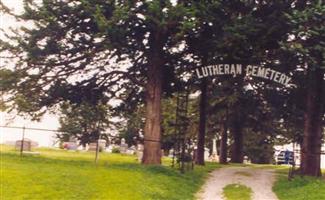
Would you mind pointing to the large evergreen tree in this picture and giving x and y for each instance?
(245, 32)
(307, 43)
(86, 50)
(78, 48)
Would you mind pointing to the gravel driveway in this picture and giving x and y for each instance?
(259, 180)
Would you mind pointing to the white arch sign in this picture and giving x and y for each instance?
(237, 69)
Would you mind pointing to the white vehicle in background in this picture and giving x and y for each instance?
(285, 157)
(293, 154)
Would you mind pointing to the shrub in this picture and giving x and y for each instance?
(115, 150)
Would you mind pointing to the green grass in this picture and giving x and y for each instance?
(269, 166)
(59, 174)
(237, 192)
(300, 188)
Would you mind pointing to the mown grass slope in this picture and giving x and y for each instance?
(299, 188)
(59, 174)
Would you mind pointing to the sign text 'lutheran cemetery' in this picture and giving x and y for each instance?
(237, 69)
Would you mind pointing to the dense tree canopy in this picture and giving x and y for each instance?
(141, 52)
(81, 49)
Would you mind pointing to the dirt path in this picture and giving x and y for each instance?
(259, 180)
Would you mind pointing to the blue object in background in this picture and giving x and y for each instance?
(286, 156)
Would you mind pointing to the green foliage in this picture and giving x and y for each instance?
(308, 34)
(58, 54)
(83, 121)
(74, 53)
(300, 188)
(237, 192)
(115, 150)
(131, 127)
(8, 79)
(133, 123)
(59, 174)
(250, 110)
(258, 147)
(169, 119)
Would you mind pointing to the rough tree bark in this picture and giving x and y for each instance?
(202, 124)
(152, 130)
(223, 142)
(312, 141)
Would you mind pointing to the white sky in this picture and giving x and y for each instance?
(44, 138)
(49, 121)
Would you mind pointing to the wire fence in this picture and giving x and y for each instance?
(42, 136)
(23, 135)
(55, 132)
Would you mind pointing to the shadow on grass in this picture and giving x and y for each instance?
(105, 163)
(299, 188)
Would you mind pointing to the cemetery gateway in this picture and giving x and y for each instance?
(237, 69)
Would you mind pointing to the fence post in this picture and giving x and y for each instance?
(22, 142)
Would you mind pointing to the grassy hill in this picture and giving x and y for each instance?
(59, 174)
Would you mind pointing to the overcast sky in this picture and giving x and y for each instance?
(48, 122)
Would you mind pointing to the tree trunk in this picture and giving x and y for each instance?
(301, 157)
(312, 142)
(237, 147)
(202, 124)
(152, 130)
(223, 142)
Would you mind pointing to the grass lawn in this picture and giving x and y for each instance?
(237, 192)
(59, 174)
(299, 188)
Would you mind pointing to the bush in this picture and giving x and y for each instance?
(185, 158)
(116, 150)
